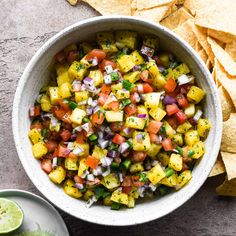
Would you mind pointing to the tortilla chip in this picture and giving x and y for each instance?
(111, 7)
(153, 14)
(193, 6)
(223, 57)
(228, 143)
(229, 160)
(170, 11)
(203, 55)
(226, 103)
(217, 15)
(218, 168)
(179, 2)
(147, 4)
(176, 18)
(221, 36)
(228, 82)
(230, 48)
(201, 35)
(185, 31)
(228, 188)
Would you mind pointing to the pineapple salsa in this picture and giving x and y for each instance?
(119, 120)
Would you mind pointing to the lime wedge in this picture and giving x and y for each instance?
(11, 216)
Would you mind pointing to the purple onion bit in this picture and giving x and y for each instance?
(161, 68)
(142, 116)
(112, 153)
(168, 100)
(147, 51)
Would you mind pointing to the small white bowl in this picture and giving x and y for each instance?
(36, 75)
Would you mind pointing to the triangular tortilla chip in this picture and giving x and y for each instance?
(223, 57)
(229, 83)
(221, 36)
(228, 188)
(228, 143)
(203, 55)
(229, 160)
(226, 103)
(209, 64)
(176, 19)
(111, 7)
(170, 11)
(230, 48)
(218, 168)
(194, 6)
(147, 4)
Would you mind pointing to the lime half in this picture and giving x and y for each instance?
(11, 216)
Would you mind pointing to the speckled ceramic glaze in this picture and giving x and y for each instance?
(36, 75)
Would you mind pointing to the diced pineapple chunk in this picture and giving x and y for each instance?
(77, 70)
(125, 63)
(35, 136)
(136, 167)
(54, 95)
(178, 139)
(183, 179)
(60, 69)
(55, 127)
(152, 68)
(97, 77)
(81, 96)
(180, 70)
(141, 141)
(159, 81)
(71, 163)
(152, 99)
(64, 90)
(106, 42)
(154, 149)
(45, 103)
(125, 38)
(88, 194)
(133, 76)
(39, 149)
(135, 122)
(157, 113)
(199, 150)
(142, 110)
(84, 147)
(170, 132)
(137, 58)
(134, 193)
(57, 175)
(111, 181)
(151, 41)
(71, 190)
(131, 202)
(98, 153)
(116, 87)
(170, 181)
(122, 94)
(85, 62)
(82, 167)
(118, 196)
(203, 127)
(77, 116)
(196, 94)
(63, 78)
(176, 162)
(184, 127)
(156, 174)
(114, 116)
(190, 110)
(164, 158)
(191, 137)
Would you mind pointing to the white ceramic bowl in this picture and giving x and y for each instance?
(35, 76)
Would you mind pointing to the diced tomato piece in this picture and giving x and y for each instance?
(35, 111)
(131, 109)
(171, 109)
(66, 118)
(36, 125)
(116, 126)
(51, 145)
(65, 135)
(113, 106)
(147, 88)
(64, 105)
(60, 57)
(153, 138)
(72, 56)
(127, 181)
(167, 144)
(97, 118)
(170, 85)
(118, 139)
(98, 53)
(63, 151)
(182, 101)
(185, 152)
(55, 153)
(59, 113)
(46, 123)
(92, 162)
(184, 167)
(81, 138)
(181, 117)
(139, 156)
(172, 122)
(46, 165)
(144, 76)
(175, 92)
(105, 63)
(185, 88)
(136, 182)
(154, 126)
(133, 97)
(78, 179)
(106, 89)
(102, 98)
(72, 155)
(126, 189)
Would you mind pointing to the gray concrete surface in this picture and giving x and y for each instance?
(25, 26)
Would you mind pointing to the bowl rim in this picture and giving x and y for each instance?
(58, 36)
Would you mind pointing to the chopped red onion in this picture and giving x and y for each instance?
(93, 61)
(97, 171)
(97, 91)
(39, 98)
(76, 87)
(70, 146)
(197, 115)
(161, 68)
(184, 79)
(139, 137)
(123, 147)
(152, 187)
(109, 136)
(89, 111)
(83, 176)
(120, 177)
(136, 97)
(77, 129)
(140, 88)
(127, 131)
(143, 97)
(107, 79)
(91, 88)
(106, 161)
(91, 200)
(67, 151)
(54, 121)
(83, 87)
(100, 134)
(95, 109)
(148, 166)
(147, 51)
(94, 103)
(78, 150)
(168, 100)
(88, 81)
(142, 115)
(155, 162)
(141, 191)
(86, 127)
(54, 162)
(136, 68)
(79, 186)
(104, 144)
(108, 69)
(90, 177)
(107, 172)
(112, 153)
(82, 103)
(73, 137)
(107, 129)
(90, 101)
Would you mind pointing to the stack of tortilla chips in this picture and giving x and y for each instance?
(209, 26)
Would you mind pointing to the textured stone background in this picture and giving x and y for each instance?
(25, 26)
